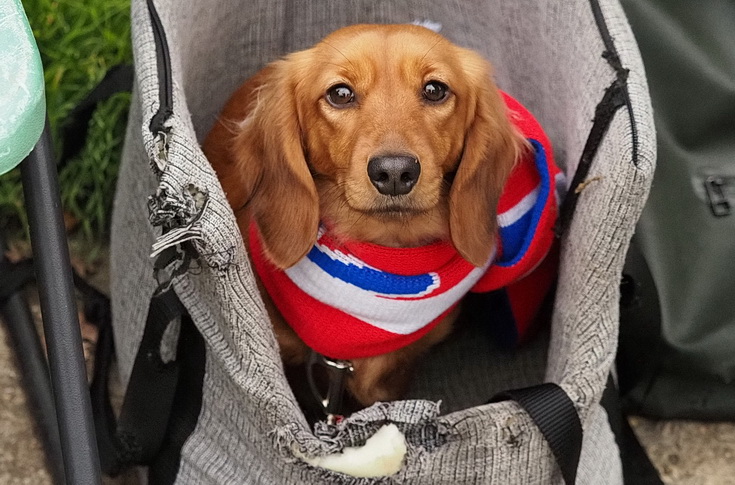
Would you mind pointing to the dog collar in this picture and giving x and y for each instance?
(348, 299)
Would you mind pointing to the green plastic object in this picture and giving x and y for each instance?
(22, 95)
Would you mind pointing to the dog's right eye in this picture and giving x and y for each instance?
(340, 96)
(435, 91)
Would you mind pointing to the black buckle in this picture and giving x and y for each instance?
(337, 370)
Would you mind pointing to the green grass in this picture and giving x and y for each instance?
(79, 41)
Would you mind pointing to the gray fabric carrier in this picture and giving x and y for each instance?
(548, 55)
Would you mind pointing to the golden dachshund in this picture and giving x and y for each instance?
(387, 134)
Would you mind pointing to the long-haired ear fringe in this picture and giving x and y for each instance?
(285, 206)
(262, 167)
(492, 147)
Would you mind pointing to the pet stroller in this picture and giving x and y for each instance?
(234, 419)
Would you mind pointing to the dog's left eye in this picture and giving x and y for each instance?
(435, 91)
(340, 96)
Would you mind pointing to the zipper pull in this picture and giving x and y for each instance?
(718, 202)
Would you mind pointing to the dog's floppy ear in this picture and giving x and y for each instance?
(276, 184)
(491, 147)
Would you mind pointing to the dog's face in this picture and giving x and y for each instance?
(388, 134)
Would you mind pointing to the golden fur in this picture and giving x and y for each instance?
(288, 158)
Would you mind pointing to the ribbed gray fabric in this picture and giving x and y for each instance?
(549, 56)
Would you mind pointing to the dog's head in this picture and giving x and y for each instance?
(388, 133)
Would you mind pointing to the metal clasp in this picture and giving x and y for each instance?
(718, 203)
(337, 371)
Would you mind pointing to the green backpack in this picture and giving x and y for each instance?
(677, 336)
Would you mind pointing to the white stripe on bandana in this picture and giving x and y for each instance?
(400, 314)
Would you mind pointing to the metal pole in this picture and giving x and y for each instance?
(60, 320)
(35, 378)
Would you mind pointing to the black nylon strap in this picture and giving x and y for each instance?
(147, 405)
(136, 437)
(118, 79)
(13, 276)
(637, 466)
(554, 413)
(190, 353)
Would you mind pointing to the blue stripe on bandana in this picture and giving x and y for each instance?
(372, 279)
(517, 237)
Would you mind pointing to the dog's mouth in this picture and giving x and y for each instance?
(393, 207)
(392, 212)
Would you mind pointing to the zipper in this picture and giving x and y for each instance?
(613, 59)
(165, 88)
(720, 189)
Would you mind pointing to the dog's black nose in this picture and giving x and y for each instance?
(394, 174)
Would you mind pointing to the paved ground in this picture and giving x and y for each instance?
(690, 453)
(686, 453)
(22, 459)
(21, 455)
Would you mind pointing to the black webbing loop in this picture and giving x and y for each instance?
(136, 437)
(118, 79)
(554, 413)
(14, 276)
(637, 466)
